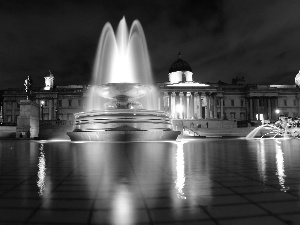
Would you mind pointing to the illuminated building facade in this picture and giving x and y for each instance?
(181, 97)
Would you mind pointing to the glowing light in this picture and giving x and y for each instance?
(277, 111)
(42, 171)
(179, 108)
(42, 102)
(280, 166)
(180, 180)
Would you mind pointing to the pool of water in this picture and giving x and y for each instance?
(225, 181)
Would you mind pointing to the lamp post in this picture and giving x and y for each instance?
(42, 109)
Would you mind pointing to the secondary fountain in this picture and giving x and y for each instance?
(122, 73)
(284, 127)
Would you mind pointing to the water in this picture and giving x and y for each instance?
(122, 58)
(227, 181)
(267, 131)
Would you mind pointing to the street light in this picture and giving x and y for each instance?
(277, 111)
(42, 107)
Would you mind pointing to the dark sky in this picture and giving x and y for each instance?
(257, 39)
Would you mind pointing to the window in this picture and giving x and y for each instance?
(232, 102)
(242, 102)
(70, 116)
(9, 118)
(70, 102)
(79, 102)
(59, 102)
(232, 115)
(260, 102)
(223, 102)
(46, 103)
(45, 116)
(218, 102)
(242, 116)
(60, 116)
(295, 102)
(284, 102)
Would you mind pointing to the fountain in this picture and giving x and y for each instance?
(284, 127)
(122, 74)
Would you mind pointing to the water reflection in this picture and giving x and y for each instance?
(123, 211)
(42, 170)
(280, 166)
(261, 161)
(180, 174)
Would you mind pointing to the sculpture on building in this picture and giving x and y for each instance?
(49, 81)
(28, 84)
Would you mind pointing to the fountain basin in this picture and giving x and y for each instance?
(123, 125)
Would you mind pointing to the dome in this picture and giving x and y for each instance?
(180, 65)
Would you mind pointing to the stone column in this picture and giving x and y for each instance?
(211, 108)
(177, 101)
(181, 103)
(184, 105)
(251, 109)
(207, 116)
(200, 105)
(215, 107)
(50, 113)
(222, 108)
(4, 111)
(188, 105)
(192, 105)
(55, 116)
(14, 112)
(269, 109)
(170, 103)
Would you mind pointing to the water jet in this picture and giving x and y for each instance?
(121, 75)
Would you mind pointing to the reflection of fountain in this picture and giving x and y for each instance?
(120, 60)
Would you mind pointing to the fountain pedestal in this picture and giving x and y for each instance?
(124, 119)
(28, 120)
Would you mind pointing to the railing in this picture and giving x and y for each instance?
(190, 131)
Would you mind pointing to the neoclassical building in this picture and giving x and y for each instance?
(181, 97)
(185, 98)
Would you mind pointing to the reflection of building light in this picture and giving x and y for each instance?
(42, 171)
(261, 161)
(122, 211)
(280, 166)
(180, 180)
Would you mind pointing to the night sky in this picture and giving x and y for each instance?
(257, 39)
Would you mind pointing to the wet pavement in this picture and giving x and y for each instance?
(206, 181)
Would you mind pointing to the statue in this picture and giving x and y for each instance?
(28, 84)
